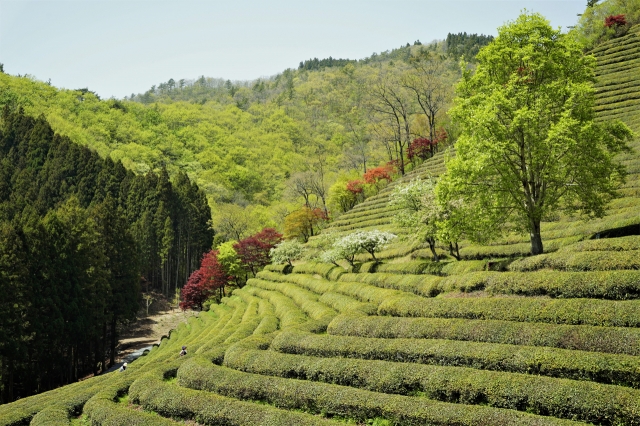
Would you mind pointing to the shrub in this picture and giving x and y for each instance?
(618, 285)
(409, 267)
(286, 310)
(622, 340)
(423, 285)
(598, 367)
(605, 244)
(362, 241)
(253, 251)
(345, 402)
(51, 416)
(282, 268)
(323, 269)
(584, 401)
(304, 223)
(580, 261)
(203, 282)
(304, 299)
(615, 21)
(345, 304)
(464, 266)
(606, 313)
(207, 408)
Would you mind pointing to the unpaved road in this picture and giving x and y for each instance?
(147, 331)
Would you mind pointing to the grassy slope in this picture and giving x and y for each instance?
(466, 346)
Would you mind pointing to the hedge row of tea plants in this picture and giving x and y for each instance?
(304, 299)
(617, 285)
(586, 401)
(620, 340)
(346, 402)
(286, 310)
(605, 368)
(207, 408)
(607, 313)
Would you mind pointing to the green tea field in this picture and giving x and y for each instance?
(497, 338)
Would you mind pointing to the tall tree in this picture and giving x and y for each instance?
(427, 81)
(530, 144)
(392, 103)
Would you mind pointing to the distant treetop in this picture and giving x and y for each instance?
(467, 46)
(318, 64)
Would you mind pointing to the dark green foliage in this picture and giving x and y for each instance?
(606, 313)
(211, 409)
(318, 64)
(69, 264)
(605, 260)
(467, 46)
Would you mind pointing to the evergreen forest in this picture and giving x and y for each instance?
(79, 236)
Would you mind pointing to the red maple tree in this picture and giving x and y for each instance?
(203, 282)
(355, 186)
(421, 148)
(377, 174)
(253, 251)
(615, 20)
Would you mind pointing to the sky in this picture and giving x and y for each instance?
(117, 48)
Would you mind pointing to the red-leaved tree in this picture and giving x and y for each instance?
(204, 282)
(421, 148)
(355, 187)
(615, 20)
(377, 174)
(253, 251)
(424, 148)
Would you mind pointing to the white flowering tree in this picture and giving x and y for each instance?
(420, 210)
(286, 252)
(371, 242)
(331, 255)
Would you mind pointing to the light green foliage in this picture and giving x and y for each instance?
(395, 345)
(228, 258)
(335, 400)
(591, 29)
(340, 199)
(286, 252)
(534, 394)
(551, 362)
(622, 340)
(529, 144)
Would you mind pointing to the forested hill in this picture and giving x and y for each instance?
(244, 143)
(77, 233)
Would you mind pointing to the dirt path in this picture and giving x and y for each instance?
(148, 330)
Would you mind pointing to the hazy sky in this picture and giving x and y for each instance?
(119, 47)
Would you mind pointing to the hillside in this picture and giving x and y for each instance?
(496, 338)
(245, 143)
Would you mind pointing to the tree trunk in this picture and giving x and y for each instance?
(536, 239)
(112, 359)
(432, 246)
(454, 250)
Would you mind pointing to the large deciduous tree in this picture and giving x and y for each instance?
(530, 144)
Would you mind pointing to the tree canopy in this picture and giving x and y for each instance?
(530, 144)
